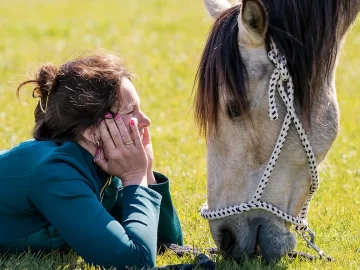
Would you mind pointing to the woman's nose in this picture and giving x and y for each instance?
(143, 120)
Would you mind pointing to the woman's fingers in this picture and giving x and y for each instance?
(100, 160)
(136, 134)
(116, 135)
(120, 156)
(146, 136)
(114, 130)
(122, 130)
(108, 143)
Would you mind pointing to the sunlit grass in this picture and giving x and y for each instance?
(162, 40)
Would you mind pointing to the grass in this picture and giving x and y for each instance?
(162, 41)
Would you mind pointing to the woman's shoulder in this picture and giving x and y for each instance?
(67, 172)
(34, 156)
(34, 165)
(34, 151)
(68, 154)
(64, 162)
(25, 157)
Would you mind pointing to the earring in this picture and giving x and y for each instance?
(96, 141)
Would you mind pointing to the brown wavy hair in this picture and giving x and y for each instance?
(76, 95)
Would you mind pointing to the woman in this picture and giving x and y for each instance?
(86, 181)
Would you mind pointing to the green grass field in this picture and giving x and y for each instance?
(161, 41)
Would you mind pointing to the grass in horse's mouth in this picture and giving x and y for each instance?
(258, 250)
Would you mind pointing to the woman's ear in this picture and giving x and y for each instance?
(92, 135)
(253, 23)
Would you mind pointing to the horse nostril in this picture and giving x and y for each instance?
(227, 240)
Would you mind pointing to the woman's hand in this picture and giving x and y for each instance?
(150, 155)
(121, 156)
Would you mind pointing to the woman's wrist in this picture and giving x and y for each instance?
(136, 182)
(151, 178)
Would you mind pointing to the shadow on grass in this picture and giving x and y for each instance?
(248, 264)
(41, 261)
(70, 260)
(215, 260)
(227, 264)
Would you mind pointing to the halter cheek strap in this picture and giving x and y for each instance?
(282, 82)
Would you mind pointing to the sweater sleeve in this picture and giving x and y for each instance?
(67, 200)
(169, 230)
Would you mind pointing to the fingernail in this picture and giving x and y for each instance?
(108, 116)
(117, 117)
(132, 122)
(97, 155)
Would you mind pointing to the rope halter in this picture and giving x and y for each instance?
(283, 83)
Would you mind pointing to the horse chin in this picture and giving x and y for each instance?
(252, 238)
(273, 243)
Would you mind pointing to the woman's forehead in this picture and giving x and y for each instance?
(129, 93)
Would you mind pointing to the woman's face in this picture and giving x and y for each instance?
(130, 107)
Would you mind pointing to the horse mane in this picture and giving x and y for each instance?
(308, 38)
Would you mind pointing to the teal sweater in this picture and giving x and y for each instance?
(50, 199)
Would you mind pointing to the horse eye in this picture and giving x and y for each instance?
(233, 109)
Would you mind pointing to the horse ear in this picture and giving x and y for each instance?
(216, 7)
(253, 23)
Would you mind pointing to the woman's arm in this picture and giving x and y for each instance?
(169, 230)
(169, 225)
(67, 200)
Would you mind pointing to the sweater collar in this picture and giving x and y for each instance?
(95, 169)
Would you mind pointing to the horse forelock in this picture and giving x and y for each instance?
(307, 32)
(221, 67)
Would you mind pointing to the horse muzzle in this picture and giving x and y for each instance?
(252, 236)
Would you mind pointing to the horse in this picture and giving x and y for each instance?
(233, 104)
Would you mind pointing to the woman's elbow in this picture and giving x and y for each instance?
(132, 254)
(137, 256)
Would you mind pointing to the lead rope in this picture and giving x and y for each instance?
(279, 79)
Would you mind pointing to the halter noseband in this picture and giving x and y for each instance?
(279, 79)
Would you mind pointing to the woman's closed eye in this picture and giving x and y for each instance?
(127, 113)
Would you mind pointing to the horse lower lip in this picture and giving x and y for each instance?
(227, 241)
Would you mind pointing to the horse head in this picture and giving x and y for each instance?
(232, 106)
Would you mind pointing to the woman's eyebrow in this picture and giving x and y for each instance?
(130, 105)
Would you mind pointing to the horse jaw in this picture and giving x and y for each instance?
(216, 7)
